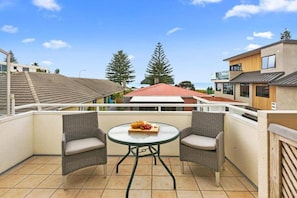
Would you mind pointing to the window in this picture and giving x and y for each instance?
(244, 90)
(268, 62)
(236, 67)
(25, 69)
(3, 68)
(219, 86)
(262, 91)
(228, 88)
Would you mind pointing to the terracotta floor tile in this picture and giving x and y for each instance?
(214, 194)
(160, 170)
(89, 193)
(16, 193)
(115, 193)
(118, 182)
(46, 169)
(176, 170)
(53, 181)
(186, 183)
(239, 194)
(41, 193)
(96, 182)
(31, 181)
(162, 182)
(8, 181)
(189, 194)
(164, 194)
(232, 184)
(60, 193)
(207, 183)
(142, 182)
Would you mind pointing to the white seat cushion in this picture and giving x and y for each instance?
(83, 145)
(200, 142)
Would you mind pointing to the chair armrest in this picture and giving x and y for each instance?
(101, 135)
(63, 144)
(220, 147)
(185, 132)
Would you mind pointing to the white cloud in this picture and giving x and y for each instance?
(9, 29)
(173, 30)
(251, 47)
(242, 11)
(28, 40)
(6, 3)
(249, 38)
(47, 63)
(56, 44)
(47, 4)
(245, 10)
(202, 2)
(267, 35)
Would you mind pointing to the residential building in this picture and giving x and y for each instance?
(15, 67)
(169, 94)
(265, 78)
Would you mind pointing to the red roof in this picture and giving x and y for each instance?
(162, 89)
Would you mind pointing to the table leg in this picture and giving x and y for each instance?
(170, 173)
(133, 171)
(152, 152)
(129, 150)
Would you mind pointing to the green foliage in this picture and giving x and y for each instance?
(12, 57)
(187, 85)
(57, 71)
(120, 70)
(286, 35)
(158, 69)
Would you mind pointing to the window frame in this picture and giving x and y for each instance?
(227, 85)
(245, 90)
(269, 62)
(263, 91)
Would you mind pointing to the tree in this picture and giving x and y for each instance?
(187, 85)
(286, 35)
(57, 71)
(158, 69)
(120, 70)
(12, 57)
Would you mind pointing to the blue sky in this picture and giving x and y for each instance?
(80, 37)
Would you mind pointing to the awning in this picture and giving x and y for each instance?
(256, 77)
(157, 99)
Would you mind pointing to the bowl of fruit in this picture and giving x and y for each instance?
(143, 126)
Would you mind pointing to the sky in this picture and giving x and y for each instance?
(80, 37)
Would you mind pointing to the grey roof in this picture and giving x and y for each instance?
(256, 77)
(288, 80)
(33, 87)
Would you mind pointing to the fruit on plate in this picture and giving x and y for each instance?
(143, 125)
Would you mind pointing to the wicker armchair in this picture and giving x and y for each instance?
(83, 143)
(203, 142)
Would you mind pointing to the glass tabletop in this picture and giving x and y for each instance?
(120, 134)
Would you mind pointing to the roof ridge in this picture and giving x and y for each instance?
(32, 88)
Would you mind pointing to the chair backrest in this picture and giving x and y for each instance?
(81, 125)
(207, 123)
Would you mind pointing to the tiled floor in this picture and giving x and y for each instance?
(40, 176)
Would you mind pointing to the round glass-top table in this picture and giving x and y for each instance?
(136, 140)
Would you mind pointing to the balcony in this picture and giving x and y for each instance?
(30, 145)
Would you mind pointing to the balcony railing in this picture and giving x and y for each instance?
(246, 141)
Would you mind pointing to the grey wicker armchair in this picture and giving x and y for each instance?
(83, 143)
(203, 141)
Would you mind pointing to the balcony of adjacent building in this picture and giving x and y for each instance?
(30, 145)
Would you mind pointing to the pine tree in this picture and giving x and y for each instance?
(12, 57)
(158, 69)
(120, 70)
(286, 35)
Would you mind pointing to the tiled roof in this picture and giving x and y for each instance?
(256, 77)
(289, 80)
(31, 87)
(162, 89)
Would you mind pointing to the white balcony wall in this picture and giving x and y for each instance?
(16, 140)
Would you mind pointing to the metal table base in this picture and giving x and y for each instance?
(135, 150)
